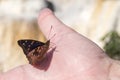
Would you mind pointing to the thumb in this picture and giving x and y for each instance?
(50, 25)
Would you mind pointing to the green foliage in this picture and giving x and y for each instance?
(112, 44)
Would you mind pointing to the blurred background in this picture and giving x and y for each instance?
(98, 20)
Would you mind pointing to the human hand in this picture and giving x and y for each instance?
(75, 57)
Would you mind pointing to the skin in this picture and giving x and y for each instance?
(75, 57)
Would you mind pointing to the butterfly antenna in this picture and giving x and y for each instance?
(52, 36)
(50, 33)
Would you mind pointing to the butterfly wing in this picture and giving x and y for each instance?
(37, 54)
(34, 50)
(28, 45)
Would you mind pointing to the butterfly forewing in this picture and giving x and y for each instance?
(29, 45)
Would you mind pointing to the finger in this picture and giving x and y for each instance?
(24, 72)
(47, 19)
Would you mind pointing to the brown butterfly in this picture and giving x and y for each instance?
(34, 50)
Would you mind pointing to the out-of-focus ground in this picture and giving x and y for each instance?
(18, 20)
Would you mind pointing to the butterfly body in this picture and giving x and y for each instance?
(34, 50)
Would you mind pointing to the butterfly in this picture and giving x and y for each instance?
(34, 50)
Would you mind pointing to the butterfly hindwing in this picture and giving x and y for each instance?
(36, 55)
(28, 45)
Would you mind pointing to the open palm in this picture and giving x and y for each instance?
(74, 58)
